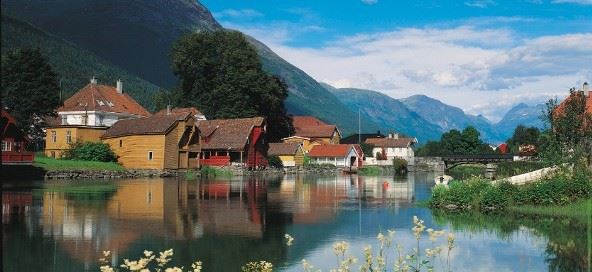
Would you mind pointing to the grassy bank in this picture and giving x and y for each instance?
(50, 164)
(208, 171)
(504, 169)
(579, 210)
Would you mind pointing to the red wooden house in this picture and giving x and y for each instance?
(14, 142)
(233, 141)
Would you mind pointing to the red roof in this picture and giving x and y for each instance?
(95, 97)
(306, 121)
(181, 111)
(391, 142)
(156, 124)
(330, 150)
(228, 134)
(277, 149)
(321, 131)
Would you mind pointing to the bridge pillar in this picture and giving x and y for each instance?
(490, 170)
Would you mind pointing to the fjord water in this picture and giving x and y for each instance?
(65, 225)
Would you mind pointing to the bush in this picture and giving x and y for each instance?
(275, 162)
(400, 165)
(90, 151)
(493, 198)
(208, 171)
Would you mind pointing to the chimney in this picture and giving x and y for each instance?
(586, 89)
(119, 86)
(396, 135)
(168, 109)
(390, 135)
(93, 80)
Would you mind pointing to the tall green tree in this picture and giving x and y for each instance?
(29, 87)
(221, 74)
(524, 136)
(455, 142)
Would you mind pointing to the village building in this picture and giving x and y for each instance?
(310, 131)
(194, 112)
(239, 142)
(14, 142)
(291, 154)
(340, 155)
(360, 138)
(87, 114)
(391, 147)
(158, 142)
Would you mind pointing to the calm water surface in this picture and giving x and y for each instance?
(65, 225)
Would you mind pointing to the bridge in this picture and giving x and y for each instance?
(452, 161)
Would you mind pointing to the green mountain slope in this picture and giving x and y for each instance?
(389, 113)
(137, 35)
(74, 66)
(448, 117)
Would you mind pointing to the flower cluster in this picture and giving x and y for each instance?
(260, 266)
(289, 239)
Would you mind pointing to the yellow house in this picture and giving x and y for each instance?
(310, 132)
(59, 138)
(168, 141)
(291, 154)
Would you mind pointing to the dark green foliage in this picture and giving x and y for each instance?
(523, 136)
(400, 165)
(90, 151)
(367, 149)
(74, 66)
(455, 142)
(221, 74)
(208, 171)
(462, 172)
(275, 162)
(29, 86)
(508, 169)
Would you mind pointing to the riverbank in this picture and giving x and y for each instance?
(580, 210)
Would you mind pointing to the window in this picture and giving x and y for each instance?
(150, 155)
(120, 143)
(54, 137)
(5, 146)
(64, 120)
(84, 119)
(68, 137)
(53, 154)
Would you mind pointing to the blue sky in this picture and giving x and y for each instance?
(481, 55)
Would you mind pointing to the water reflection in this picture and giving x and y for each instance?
(63, 226)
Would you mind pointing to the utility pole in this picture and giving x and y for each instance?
(359, 127)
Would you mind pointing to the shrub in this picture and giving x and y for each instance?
(208, 171)
(400, 165)
(90, 151)
(275, 162)
(493, 198)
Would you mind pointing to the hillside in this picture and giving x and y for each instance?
(137, 35)
(520, 114)
(389, 113)
(74, 66)
(449, 117)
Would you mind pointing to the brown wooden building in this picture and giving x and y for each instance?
(157, 142)
(234, 141)
(14, 142)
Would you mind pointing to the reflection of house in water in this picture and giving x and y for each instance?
(15, 204)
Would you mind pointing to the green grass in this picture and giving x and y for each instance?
(208, 171)
(370, 171)
(580, 210)
(56, 164)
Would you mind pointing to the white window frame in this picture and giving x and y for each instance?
(6, 146)
(54, 136)
(68, 136)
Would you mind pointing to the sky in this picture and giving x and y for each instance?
(483, 56)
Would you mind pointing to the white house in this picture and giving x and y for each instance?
(340, 155)
(100, 106)
(392, 147)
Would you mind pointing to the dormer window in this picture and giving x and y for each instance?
(110, 103)
(101, 103)
(64, 120)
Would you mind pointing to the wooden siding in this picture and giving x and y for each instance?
(299, 157)
(80, 134)
(171, 149)
(133, 153)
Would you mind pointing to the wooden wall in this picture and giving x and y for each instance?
(133, 153)
(80, 134)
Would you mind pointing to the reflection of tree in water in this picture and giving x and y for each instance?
(90, 194)
(567, 247)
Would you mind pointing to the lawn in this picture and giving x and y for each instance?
(580, 210)
(56, 164)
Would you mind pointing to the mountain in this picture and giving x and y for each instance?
(389, 113)
(137, 36)
(449, 117)
(520, 114)
(74, 66)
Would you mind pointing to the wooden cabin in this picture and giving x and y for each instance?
(234, 142)
(340, 155)
(291, 154)
(310, 131)
(156, 142)
(87, 114)
(14, 142)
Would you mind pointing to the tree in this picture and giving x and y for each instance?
(524, 136)
(221, 74)
(455, 142)
(29, 87)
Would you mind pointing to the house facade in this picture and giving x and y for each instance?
(156, 142)
(291, 154)
(340, 155)
(393, 146)
(87, 114)
(14, 142)
(310, 131)
(238, 142)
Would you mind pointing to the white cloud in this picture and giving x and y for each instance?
(238, 14)
(580, 2)
(480, 3)
(370, 2)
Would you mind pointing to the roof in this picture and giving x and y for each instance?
(353, 139)
(9, 129)
(306, 121)
(95, 97)
(320, 131)
(194, 111)
(391, 142)
(156, 124)
(562, 105)
(276, 149)
(330, 150)
(228, 134)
